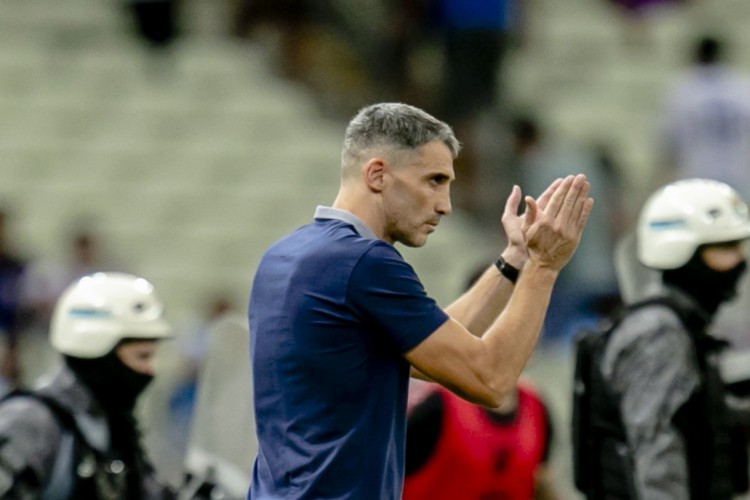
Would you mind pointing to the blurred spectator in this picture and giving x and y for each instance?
(477, 35)
(707, 120)
(408, 23)
(155, 20)
(636, 14)
(46, 279)
(473, 38)
(588, 285)
(476, 38)
(291, 18)
(641, 7)
(455, 449)
(42, 283)
(12, 267)
(317, 44)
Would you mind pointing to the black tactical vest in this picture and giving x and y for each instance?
(603, 464)
(82, 472)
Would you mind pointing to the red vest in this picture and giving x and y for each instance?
(477, 458)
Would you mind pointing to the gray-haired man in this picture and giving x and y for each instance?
(338, 319)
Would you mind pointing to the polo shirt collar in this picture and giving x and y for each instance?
(322, 212)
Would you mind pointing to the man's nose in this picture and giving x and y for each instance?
(444, 204)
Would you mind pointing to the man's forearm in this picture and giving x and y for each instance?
(481, 304)
(478, 307)
(511, 339)
(415, 373)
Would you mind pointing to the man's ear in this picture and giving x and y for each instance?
(374, 174)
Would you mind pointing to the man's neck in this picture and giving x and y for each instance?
(362, 210)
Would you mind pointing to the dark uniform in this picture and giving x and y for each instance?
(651, 413)
(58, 443)
(658, 422)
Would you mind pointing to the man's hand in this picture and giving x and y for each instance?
(515, 253)
(516, 225)
(553, 226)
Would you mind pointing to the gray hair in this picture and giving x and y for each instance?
(393, 126)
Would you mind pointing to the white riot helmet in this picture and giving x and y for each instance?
(99, 310)
(685, 214)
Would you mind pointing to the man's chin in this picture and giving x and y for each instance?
(415, 242)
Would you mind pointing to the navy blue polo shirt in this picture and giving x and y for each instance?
(332, 311)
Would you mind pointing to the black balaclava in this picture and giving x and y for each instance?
(708, 287)
(116, 388)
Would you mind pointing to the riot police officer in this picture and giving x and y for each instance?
(75, 435)
(656, 423)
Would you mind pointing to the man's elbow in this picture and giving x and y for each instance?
(494, 391)
(490, 400)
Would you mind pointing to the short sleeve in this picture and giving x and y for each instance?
(386, 292)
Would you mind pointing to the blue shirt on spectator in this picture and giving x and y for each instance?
(332, 311)
(496, 15)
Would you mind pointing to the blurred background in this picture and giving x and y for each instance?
(177, 139)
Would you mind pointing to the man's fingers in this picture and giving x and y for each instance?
(513, 201)
(558, 197)
(547, 194)
(581, 201)
(574, 198)
(531, 210)
(586, 208)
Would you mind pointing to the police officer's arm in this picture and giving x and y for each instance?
(654, 377)
(483, 369)
(29, 442)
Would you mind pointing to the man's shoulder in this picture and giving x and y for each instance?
(328, 235)
(329, 247)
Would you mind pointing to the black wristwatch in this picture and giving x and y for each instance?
(510, 272)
